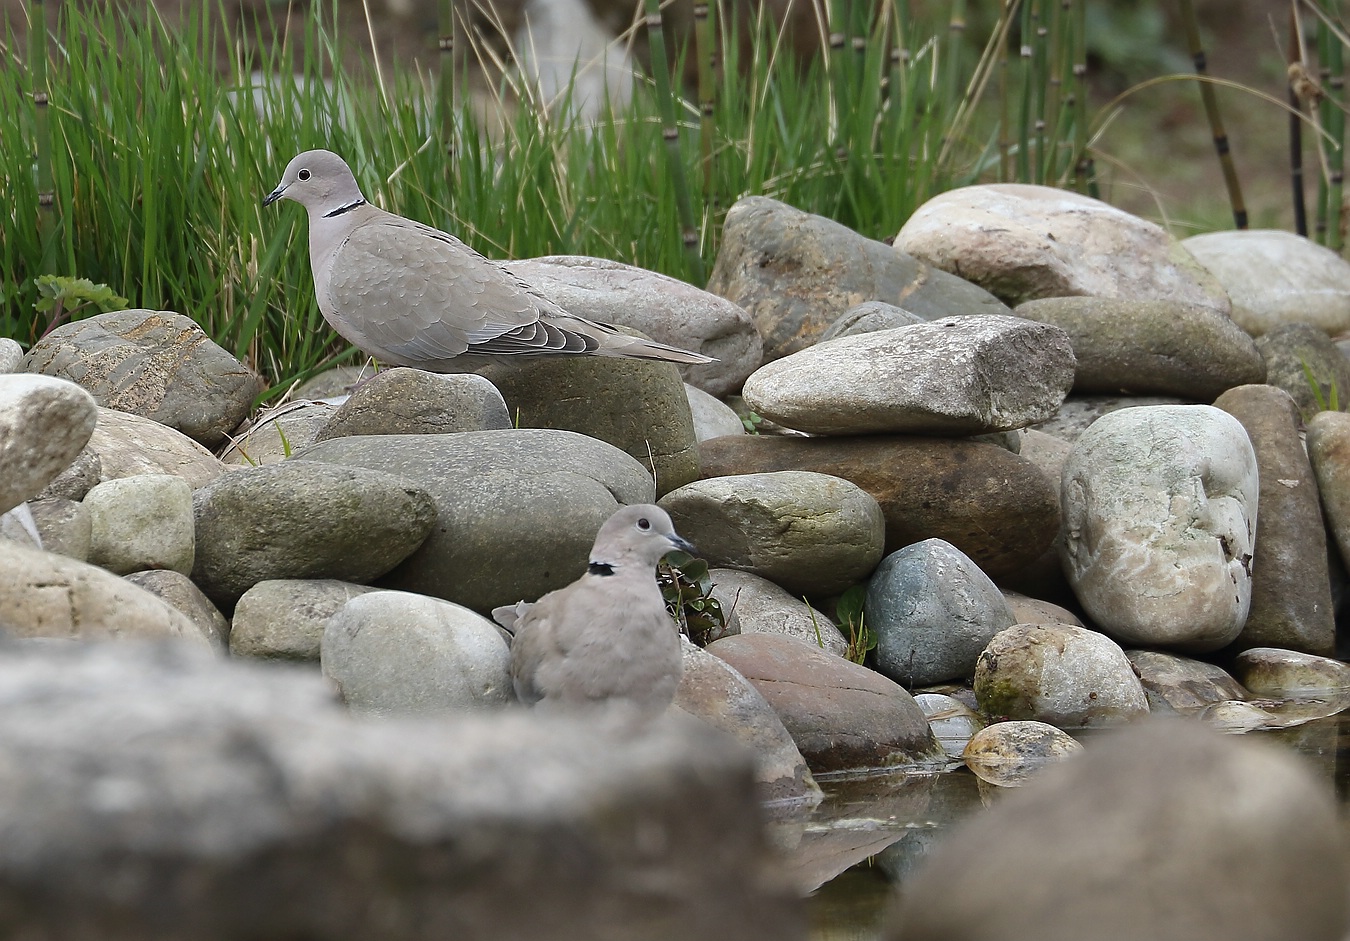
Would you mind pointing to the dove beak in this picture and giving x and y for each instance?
(275, 194)
(684, 545)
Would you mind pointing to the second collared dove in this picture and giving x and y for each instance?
(411, 295)
(605, 639)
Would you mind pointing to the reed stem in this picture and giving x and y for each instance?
(1211, 103)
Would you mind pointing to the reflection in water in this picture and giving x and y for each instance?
(869, 834)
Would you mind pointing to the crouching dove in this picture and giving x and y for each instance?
(411, 295)
(606, 639)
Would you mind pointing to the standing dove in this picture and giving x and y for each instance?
(411, 295)
(605, 639)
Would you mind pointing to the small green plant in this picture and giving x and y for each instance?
(687, 588)
(849, 611)
(751, 421)
(59, 297)
(1326, 395)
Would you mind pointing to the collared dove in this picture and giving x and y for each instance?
(411, 295)
(605, 639)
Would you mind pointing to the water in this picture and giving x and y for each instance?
(868, 833)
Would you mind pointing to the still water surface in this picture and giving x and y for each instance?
(868, 833)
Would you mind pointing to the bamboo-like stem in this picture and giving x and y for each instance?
(1297, 73)
(445, 88)
(1211, 103)
(670, 132)
(1026, 54)
(1333, 121)
(1059, 44)
(1082, 161)
(1005, 146)
(46, 190)
(705, 40)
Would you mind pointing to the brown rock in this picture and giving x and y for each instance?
(1291, 587)
(993, 505)
(843, 716)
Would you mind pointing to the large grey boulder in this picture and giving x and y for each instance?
(812, 534)
(1159, 521)
(954, 376)
(1022, 242)
(141, 522)
(1162, 830)
(156, 797)
(284, 618)
(796, 273)
(304, 519)
(154, 363)
(517, 510)
(44, 424)
(125, 445)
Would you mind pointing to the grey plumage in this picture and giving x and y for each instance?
(605, 639)
(411, 295)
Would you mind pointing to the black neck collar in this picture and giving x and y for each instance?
(600, 568)
(347, 208)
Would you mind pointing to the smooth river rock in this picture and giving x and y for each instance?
(1159, 520)
(44, 424)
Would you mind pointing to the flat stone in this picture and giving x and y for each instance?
(1291, 585)
(304, 519)
(994, 506)
(812, 534)
(954, 376)
(933, 611)
(44, 423)
(1137, 837)
(796, 273)
(1276, 277)
(396, 653)
(842, 716)
(1151, 347)
(1159, 521)
(663, 308)
(712, 417)
(154, 363)
(1022, 242)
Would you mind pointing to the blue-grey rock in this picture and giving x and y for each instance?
(933, 611)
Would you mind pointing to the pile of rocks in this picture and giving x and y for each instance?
(1031, 547)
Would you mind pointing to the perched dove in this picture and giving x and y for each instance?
(605, 639)
(411, 295)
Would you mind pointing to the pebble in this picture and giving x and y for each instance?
(1174, 683)
(1270, 671)
(404, 401)
(1010, 753)
(142, 522)
(761, 607)
(44, 423)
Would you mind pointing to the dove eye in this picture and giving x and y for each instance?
(302, 175)
(644, 524)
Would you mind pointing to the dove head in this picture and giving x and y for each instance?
(320, 181)
(635, 536)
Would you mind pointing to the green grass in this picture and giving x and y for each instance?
(158, 161)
